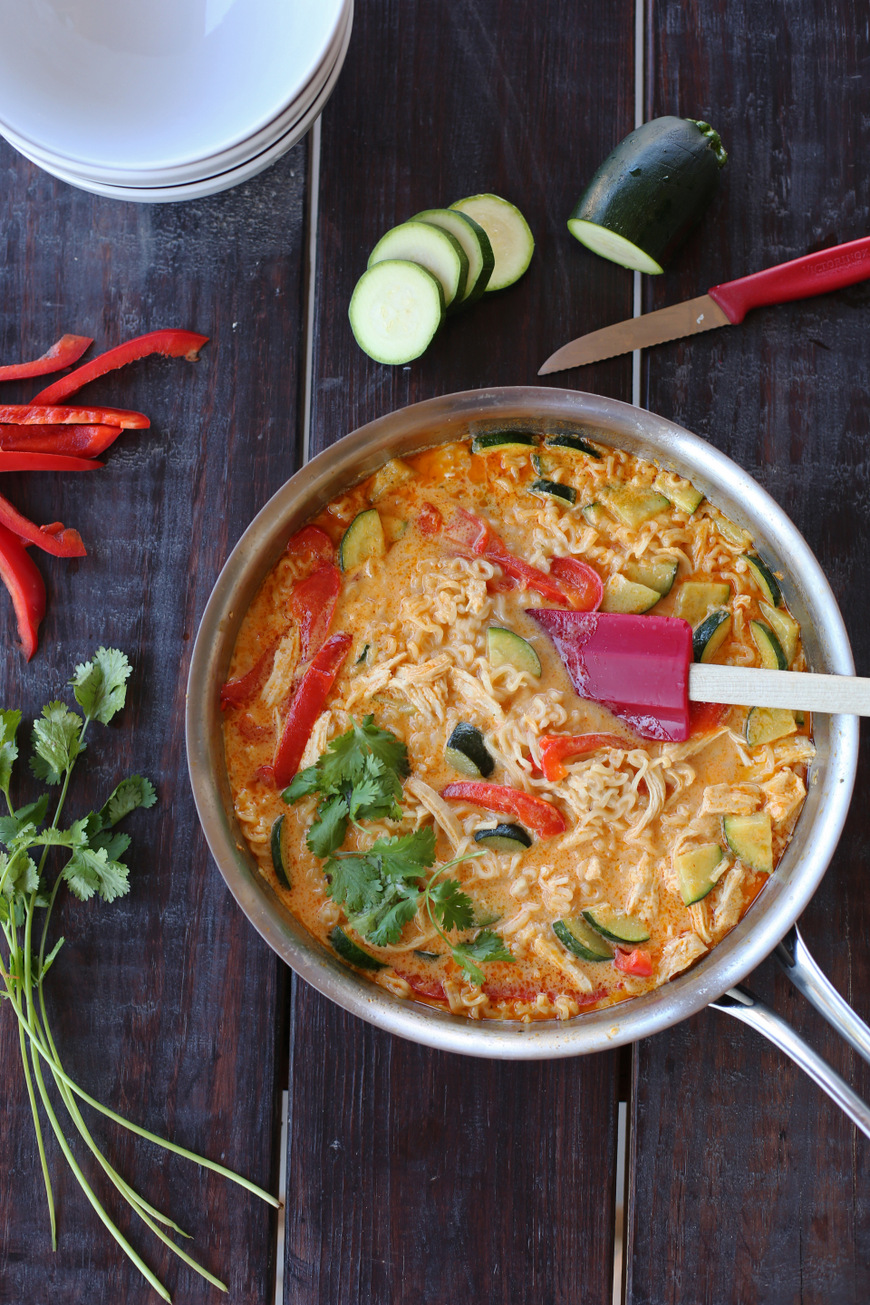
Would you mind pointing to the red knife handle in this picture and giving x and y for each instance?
(814, 274)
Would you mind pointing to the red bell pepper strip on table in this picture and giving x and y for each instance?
(173, 344)
(63, 353)
(21, 577)
(556, 748)
(306, 705)
(57, 539)
(539, 815)
(28, 414)
(637, 962)
(312, 606)
(473, 532)
(11, 460)
(72, 441)
(582, 584)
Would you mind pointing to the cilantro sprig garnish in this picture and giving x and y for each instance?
(90, 863)
(359, 777)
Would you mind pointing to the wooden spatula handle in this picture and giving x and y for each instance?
(802, 691)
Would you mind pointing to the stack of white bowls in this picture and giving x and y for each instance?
(160, 100)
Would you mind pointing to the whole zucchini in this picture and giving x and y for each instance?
(649, 193)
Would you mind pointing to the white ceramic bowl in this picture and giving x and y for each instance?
(122, 84)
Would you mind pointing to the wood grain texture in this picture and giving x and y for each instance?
(418, 1175)
(746, 1183)
(167, 1004)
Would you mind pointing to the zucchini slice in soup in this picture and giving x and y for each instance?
(772, 656)
(504, 838)
(750, 838)
(503, 439)
(351, 952)
(766, 724)
(467, 752)
(364, 538)
(276, 847)
(655, 575)
(623, 595)
(581, 940)
(505, 648)
(696, 599)
(553, 489)
(617, 925)
(764, 578)
(710, 635)
(696, 871)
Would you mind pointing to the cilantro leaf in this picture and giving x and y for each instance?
(302, 784)
(100, 686)
(451, 906)
(32, 814)
(406, 856)
(354, 881)
(132, 792)
(49, 960)
(88, 872)
(18, 875)
(386, 925)
(328, 832)
(486, 946)
(9, 722)
(56, 742)
(115, 844)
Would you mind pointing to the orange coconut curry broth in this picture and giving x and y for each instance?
(416, 776)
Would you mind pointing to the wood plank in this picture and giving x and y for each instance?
(754, 1181)
(168, 1004)
(419, 1175)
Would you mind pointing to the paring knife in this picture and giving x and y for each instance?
(723, 305)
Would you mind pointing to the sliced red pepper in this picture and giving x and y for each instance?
(705, 716)
(63, 353)
(56, 538)
(240, 691)
(539, 815)
(311, 545)
(26, 586)
(312, 606)
(172, 344)
(14, 461)
(74, 441)
(637, 962)
(306, 705)
(430, 521)
(556, 748)
(27, 414)
(581, 583)
(475, 533)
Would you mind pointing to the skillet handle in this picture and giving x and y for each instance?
(743, 1005)
(795, 959)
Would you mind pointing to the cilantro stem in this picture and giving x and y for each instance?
(46, 1177)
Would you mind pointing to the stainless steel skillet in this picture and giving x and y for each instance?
(803, 864)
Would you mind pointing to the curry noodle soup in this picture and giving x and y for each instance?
(587, 864)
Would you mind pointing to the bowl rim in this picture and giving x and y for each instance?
(351, 459)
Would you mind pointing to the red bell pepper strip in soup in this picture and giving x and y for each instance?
(540, 816)
(27, 414)
(306, 705)
(21, 577)
(312, 606)
(14, 461)
(556, 748)
(311, 544)
(173, 344)
(240, 691)
(63, 353)
(56, 538)
(582, 585)
(475, 533)
(638, 962)
(73, 441)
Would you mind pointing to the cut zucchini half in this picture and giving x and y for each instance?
(389, 477)
(683, 495)
(633, 506)
(750, 838)
(697, 598)
(395, 311)
(506, 648)
(467, 752)
(351, 952)
(430, 248)
(552, 489)
(597, 516)
(571, 444)
(581, 940)
(785, 628)
(364, 538)
(504, 838)
(766, 724)
(619, 926)
(509, 234)
(475, 242)
(503, 439)
(764, 578)
(623, 595)
(710, 635)
(696, 871)
(772, 656)
(655, 575)
(276, 846)
(649, 192)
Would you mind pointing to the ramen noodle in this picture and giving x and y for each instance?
(427, 570)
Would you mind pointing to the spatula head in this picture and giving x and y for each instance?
(637, 666)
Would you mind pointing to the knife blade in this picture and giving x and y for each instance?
(723, 305)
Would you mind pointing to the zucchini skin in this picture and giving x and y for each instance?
(656, 184)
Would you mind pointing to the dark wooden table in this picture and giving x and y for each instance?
(416, 1176)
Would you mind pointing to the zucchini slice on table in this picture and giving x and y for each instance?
(696, 871)
(649, 193)
(504, 838)
(503, 439)
(623, 595)
(364, 538)
(475, 242)
(467, 752)
(505, 648)
(431, 248)
(509, 234)
(351, 952)
(766, 724)
(616, 925)
(396, 309)
(580, 939)
(750, 838)
(276, 847)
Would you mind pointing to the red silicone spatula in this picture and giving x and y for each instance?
(641, 668)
